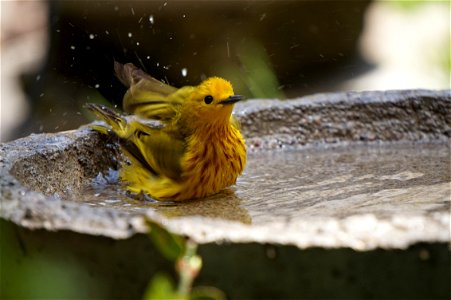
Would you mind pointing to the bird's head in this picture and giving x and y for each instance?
(213, 100)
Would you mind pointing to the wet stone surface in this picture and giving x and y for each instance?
(383, 180)
(358, 170)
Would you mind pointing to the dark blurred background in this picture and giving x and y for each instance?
(58, 55)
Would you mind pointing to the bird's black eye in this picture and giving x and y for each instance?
(208, 99)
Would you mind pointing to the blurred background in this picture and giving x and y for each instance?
(58, 55)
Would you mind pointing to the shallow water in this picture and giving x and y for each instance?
(279, 186)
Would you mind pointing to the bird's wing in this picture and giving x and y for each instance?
(147, 96)
(156, 150)
(130, 75)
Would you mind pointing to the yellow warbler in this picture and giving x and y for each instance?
(199, 150)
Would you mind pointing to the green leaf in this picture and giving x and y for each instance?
(207, 293)
(172, 246)
(161, 287)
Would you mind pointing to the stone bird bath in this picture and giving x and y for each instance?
(339, 188)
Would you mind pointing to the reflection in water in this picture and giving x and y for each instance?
(224, 205)
(106, 191)
(282, 186)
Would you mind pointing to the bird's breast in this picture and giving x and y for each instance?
(214, 160)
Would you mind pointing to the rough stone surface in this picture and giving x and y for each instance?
(414, 115)
(337, 195)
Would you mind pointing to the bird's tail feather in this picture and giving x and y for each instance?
(123, 130)
(118, 124)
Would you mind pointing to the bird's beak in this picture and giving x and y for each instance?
(232, 99)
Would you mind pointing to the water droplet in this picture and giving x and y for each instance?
(72, 47)
(107, 32)
(183, 16)
(137, 43)
(158, 64)
(112, 201)
(91, 36)
(151, 20)
(130, 34)
(148, 57)
(38, 77)
(184, 72)
(164, 4)
(97, 86)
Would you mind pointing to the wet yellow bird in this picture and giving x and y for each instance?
(198, 152)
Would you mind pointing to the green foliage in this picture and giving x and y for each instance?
(253, 73)
(187, 264)
(261, 79)
(28, 273)
(161, 287)
(170, 245)
(207, 293)
(410, 4)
